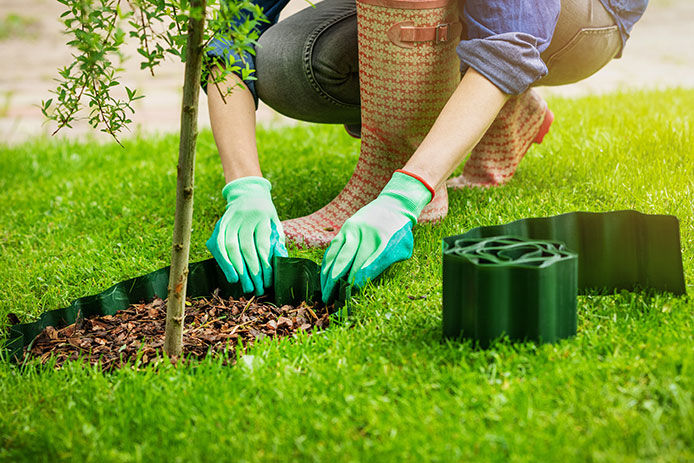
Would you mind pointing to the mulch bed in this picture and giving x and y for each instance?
(212, 326)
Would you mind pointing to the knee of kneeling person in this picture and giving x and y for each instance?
(273, 61)
(335, 62)
(306, 79)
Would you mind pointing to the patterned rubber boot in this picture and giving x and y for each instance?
(524, 120)
(408, 68)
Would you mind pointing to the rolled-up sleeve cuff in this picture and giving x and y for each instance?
(511, 61)
(223, 50)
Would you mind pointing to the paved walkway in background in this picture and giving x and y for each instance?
(659, 54)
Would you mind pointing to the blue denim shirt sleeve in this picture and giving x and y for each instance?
(223, 49)
(625, 13)
(505, 39)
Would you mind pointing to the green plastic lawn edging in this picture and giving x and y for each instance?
(296, 280)
(522, 279)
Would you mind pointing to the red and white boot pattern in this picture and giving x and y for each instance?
(524, 120)
(402, 91)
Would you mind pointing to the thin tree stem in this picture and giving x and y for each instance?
(144, 35)
(178, 278)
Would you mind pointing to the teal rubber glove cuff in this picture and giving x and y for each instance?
(377, 236)
(248, 235)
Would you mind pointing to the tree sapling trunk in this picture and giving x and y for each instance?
(178, 278)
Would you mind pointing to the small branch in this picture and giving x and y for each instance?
(207, 42)
(104, 120)
(111, 26)
(68, 117)
(144, 34)
(175, 12)
(216, 84)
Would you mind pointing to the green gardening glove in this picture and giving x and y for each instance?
(377, 236)
(248, 235)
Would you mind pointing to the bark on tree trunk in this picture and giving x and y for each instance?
(175, 310)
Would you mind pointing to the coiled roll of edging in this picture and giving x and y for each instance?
(524, 288)
(521, 279)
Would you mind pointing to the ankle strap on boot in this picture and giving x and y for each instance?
(405, 34)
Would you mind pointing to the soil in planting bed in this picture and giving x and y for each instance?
(212, 325)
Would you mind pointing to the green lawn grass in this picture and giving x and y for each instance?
(78, 217)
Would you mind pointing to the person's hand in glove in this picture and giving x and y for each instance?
(377, 236)
(248, 235)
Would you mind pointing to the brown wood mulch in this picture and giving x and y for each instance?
(135, 336)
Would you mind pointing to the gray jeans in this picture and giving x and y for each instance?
(307, 65)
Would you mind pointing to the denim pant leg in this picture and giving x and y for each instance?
(307, 65)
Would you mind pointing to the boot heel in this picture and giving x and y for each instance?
(544, 128)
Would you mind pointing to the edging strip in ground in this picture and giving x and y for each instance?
(519, 279)
(296, 280)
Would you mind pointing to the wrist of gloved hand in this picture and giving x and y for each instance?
(377, 236)
(248, 235)
(247, 186)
